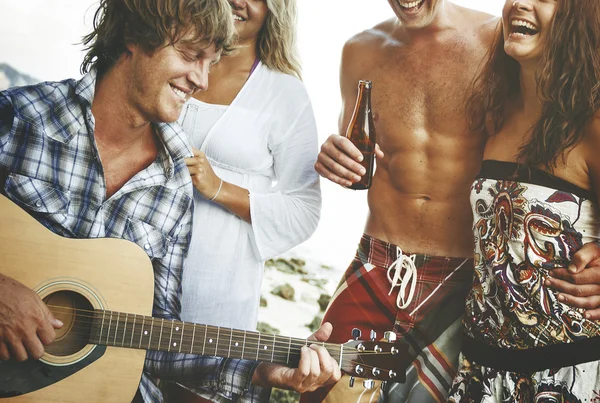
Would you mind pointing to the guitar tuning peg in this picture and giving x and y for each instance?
(389, 336)
(356, 333)
(351, 383)
(369, 384)
(373, 335)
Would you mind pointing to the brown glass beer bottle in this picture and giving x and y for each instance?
(361, 131)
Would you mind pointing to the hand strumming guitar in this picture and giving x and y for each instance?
(26, 323)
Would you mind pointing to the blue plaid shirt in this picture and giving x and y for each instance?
(47, 147)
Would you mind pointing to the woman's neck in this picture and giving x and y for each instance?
(529, 91)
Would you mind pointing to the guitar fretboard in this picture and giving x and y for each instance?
(144, 332)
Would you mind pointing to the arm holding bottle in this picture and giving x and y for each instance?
(339, 159)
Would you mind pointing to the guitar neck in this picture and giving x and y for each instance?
(120, 329)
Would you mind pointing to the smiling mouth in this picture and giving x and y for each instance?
(523, 29)
(237, 18)
(179, 93)
(412, 6)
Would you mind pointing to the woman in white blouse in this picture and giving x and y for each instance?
(257, 194)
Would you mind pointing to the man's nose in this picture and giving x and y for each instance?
(199, 78)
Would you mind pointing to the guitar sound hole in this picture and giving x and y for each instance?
(76, 313)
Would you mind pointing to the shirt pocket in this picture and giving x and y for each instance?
(152, 240)
(37, 196)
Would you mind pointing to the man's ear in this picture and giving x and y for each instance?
(131, 47)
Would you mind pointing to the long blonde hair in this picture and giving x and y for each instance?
(277, 43)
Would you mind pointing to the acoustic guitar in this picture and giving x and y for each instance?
(102, 290)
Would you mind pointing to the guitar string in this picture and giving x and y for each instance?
(122, 319)
(253, 349)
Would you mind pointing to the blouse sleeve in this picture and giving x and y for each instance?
(288, 214)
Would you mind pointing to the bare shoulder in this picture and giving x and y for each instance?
(365, 48)
(370, 39)
(484, 25)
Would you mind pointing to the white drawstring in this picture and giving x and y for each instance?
(408, 271)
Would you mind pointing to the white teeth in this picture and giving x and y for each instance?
(179, 93)
(521, 23)
(411, 4)
(237, 18)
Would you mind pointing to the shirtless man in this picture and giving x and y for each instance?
(414, 264)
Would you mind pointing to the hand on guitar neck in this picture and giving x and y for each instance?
(316, 368)
(26, 323)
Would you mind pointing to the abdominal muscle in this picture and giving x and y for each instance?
(419, 199)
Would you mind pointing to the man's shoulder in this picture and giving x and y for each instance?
(372, 38)
(482, 23)
(39, 97)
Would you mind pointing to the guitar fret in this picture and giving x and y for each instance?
(142, 331)
(230, 340)
(101, 327)
(244, 344)
(108, 331)
(258, 347)
(217, 340)
(124, 330)
(287, 361)
(204, 345)
(182, 333)
(116, 328)
(193, 335)
(273, 350)
(132, 331)
(171, 336)
(150, 335)
(162, 322)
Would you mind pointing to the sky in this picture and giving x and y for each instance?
(40, 38)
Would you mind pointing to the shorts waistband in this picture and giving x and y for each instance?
(383, 254)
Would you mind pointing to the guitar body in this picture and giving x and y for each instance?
(109, 274)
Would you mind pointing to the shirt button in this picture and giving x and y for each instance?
(147, 246)
(38, 203)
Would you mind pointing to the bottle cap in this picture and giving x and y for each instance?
(365, 83)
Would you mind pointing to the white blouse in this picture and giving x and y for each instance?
(266, 142)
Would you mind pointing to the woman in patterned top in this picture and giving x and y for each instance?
(535, 203)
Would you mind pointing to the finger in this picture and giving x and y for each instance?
(589, 276)
(16, 350)
(378, 152)
(4, 354)
(325, 362)
(322, 333)
(592, 314)
(592, 302)
(196, 152)
(329, 175)
(55, 323)
(565, 287)
(343, 144)
(342, 167)
(34, 348)
(584, 256)
(315, 370)
(304, 365)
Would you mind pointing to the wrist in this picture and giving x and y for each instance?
(218, 191)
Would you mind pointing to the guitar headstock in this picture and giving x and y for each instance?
(379, 360)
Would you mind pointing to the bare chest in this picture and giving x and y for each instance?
(421, 94)
(119, 168)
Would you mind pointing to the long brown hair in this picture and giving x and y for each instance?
(151, 24)
(568, 83)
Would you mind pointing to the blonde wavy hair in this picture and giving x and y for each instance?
(152, 24)
(277, 42)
